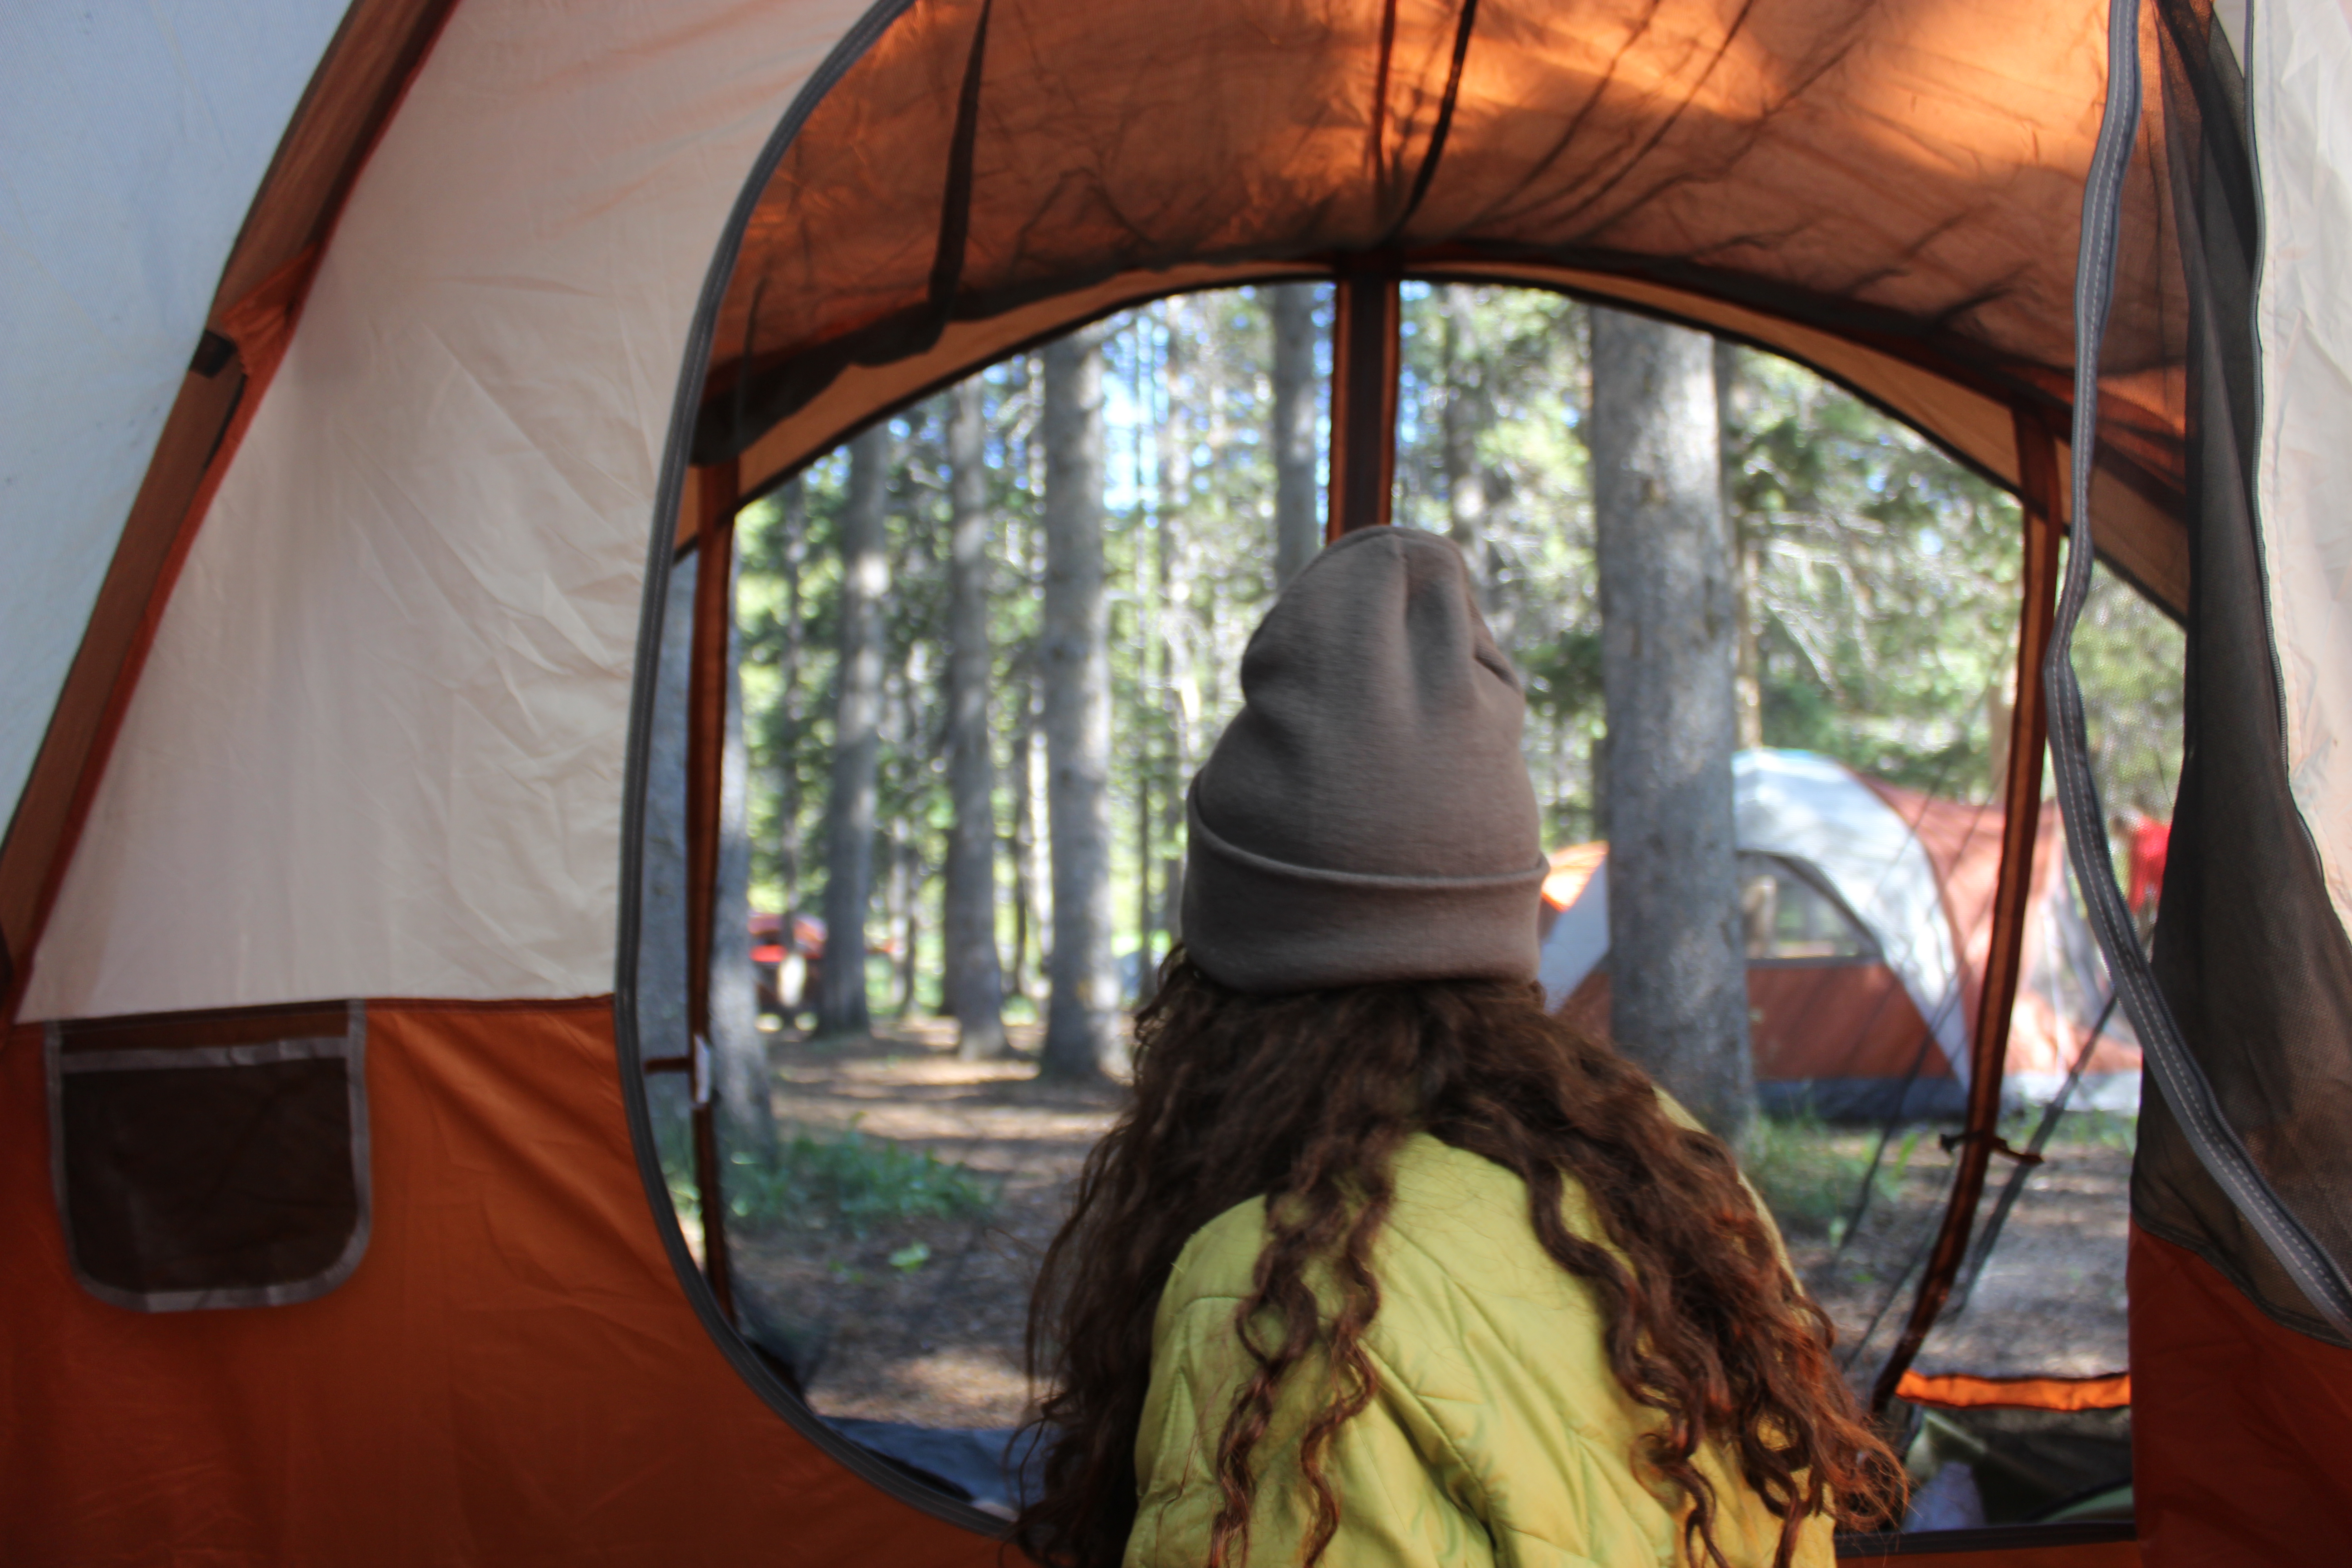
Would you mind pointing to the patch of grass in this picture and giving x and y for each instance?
(2108, 1129)
(1809, 1172)
(844, 1181)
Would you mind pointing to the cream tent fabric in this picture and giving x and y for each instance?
(1812, 809)
(2301, 105)
(135, 138)
(379, 743)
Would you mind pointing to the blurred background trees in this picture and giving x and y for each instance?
(1875, 579)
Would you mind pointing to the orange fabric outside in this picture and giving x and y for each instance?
(1841, 1020)
(2240, 1425)
(513, 1375)
(1572, 869)
(1805, 1021)
(1962, 1391)
(1963, 843)
(2100, 1555)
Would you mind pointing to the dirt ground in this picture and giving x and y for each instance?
(939, 1343)
(2050, 1299)
(936, 1340)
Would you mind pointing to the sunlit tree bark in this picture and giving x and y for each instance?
(1466, 416)
(974, 982)
(1677, 968)
(842, 1007)
(1297, 532)
(1082, 1034)
(1729, 414)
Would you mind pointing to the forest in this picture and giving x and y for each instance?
(1174, 454)
(980, 649)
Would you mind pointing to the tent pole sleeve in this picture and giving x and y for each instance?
(714, 619)
(1365, 358)
(2037, 465)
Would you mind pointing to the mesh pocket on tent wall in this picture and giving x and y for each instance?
(212, 1158)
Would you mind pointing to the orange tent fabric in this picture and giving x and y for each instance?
(512, 1375)
(1960, 1391)
(2241, 1424)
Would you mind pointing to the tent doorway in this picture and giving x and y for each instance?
(1885, 595)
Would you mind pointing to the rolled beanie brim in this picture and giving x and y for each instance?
(1265, 926)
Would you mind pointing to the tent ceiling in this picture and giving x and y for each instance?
(1870, 186)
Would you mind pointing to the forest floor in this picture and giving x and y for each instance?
(934, 1337)
(921, 1320)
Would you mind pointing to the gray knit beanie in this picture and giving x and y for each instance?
(1367, 816)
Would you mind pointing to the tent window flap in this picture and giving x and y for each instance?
(211, 1159)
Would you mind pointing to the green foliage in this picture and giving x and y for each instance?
(1881, 588)
(1883, 581)
(847, 1181)
(1809, 1172)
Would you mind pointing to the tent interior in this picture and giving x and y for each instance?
(338, 1227)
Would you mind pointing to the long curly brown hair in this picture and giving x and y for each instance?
(1305, 1100)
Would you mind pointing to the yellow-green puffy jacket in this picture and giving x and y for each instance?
(1498, 1434)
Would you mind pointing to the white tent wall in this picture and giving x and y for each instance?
(137, 136)
(377, 749)
(1812, 809)
(1577, 942)
(2302, 109)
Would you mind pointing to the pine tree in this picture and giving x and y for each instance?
(1678, 978)
(1297, 530)
(842, 1007)
(973, 982)
(1082, 1034)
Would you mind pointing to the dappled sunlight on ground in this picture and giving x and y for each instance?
(2049, 1301)
(937, 1340)
(922, 1320)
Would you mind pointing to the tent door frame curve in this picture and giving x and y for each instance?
(670, 495)
(1369, 319)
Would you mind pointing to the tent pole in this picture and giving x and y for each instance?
(715, 494)
(2037, 468)
(1366, 355)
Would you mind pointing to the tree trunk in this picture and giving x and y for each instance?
(738, 1052)
(842, 1007)
(1292, 308)
(1729, 414)
(1082, 1036)
(1027, 918)
(1145, 912)
(1677, 971)
(788, 780)
(1464, 420)
(1297, 532)
(910, 925)
(972, 977)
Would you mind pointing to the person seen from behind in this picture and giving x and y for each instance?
(1384, 1263)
